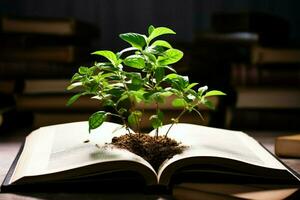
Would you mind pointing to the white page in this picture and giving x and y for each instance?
(61, 147)
(207, 141)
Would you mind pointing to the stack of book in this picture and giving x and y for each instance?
(37, 58)
(264, 73)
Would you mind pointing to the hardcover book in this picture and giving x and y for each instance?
(57, 158)
(47, 26)
(288, 146)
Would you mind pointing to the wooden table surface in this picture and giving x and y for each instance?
(10, 143)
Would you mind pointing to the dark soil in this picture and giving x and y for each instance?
(153, 149)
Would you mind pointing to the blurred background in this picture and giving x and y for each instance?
(250, 49)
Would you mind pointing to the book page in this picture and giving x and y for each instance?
(204, 141)
(61, 147)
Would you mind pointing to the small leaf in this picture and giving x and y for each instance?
(74, 85)
(97, 119)
(135, 61)
(208, 103)
(159, 74)
(178, 102)
(150, 29)
(159, 31)
(170, 56)
(171, 76)
(162, 43)
(134, 117)
(214, 93)
(156, 122)
(191, 85)
(156, 50)
(83, 70)
(76, 77)
(201, 90)
(73, 99)
(122, 111)
(111, 56)
(135, 39)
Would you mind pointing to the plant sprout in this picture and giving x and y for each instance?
(139, 73)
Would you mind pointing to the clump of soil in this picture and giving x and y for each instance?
(153, 149)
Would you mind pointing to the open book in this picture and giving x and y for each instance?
(58, 156)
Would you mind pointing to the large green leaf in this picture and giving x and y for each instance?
(214, 93)
(97, 119)
(159, 31)
(111, 56)
(135, 39)
(170, 56)
(135, 61)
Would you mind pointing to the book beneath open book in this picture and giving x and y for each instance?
(56, 157)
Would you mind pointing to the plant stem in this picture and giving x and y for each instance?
(176, 120)
(157, 108)
(122, 118)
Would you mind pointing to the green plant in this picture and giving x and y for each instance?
(150, 79)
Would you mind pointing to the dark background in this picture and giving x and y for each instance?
(185, 17)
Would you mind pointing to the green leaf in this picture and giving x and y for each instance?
(73, 99)
(74, 85)
(159, 74)
(111, 56)
(170, 56)
(156, 50)
(201, 90)
(191, 85)
(178, 102)
(157, 120)
(150, 29)
(134, 117)
(76, 77)
(97, 119)
(136, 81)
(208, 103)
(135, 61)
(123, 97)
(83, 70)
(150, 57)
(159, 31)
(214, 93)
(135, 39)
(122, 111)
(162, 43)
(171, 76)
